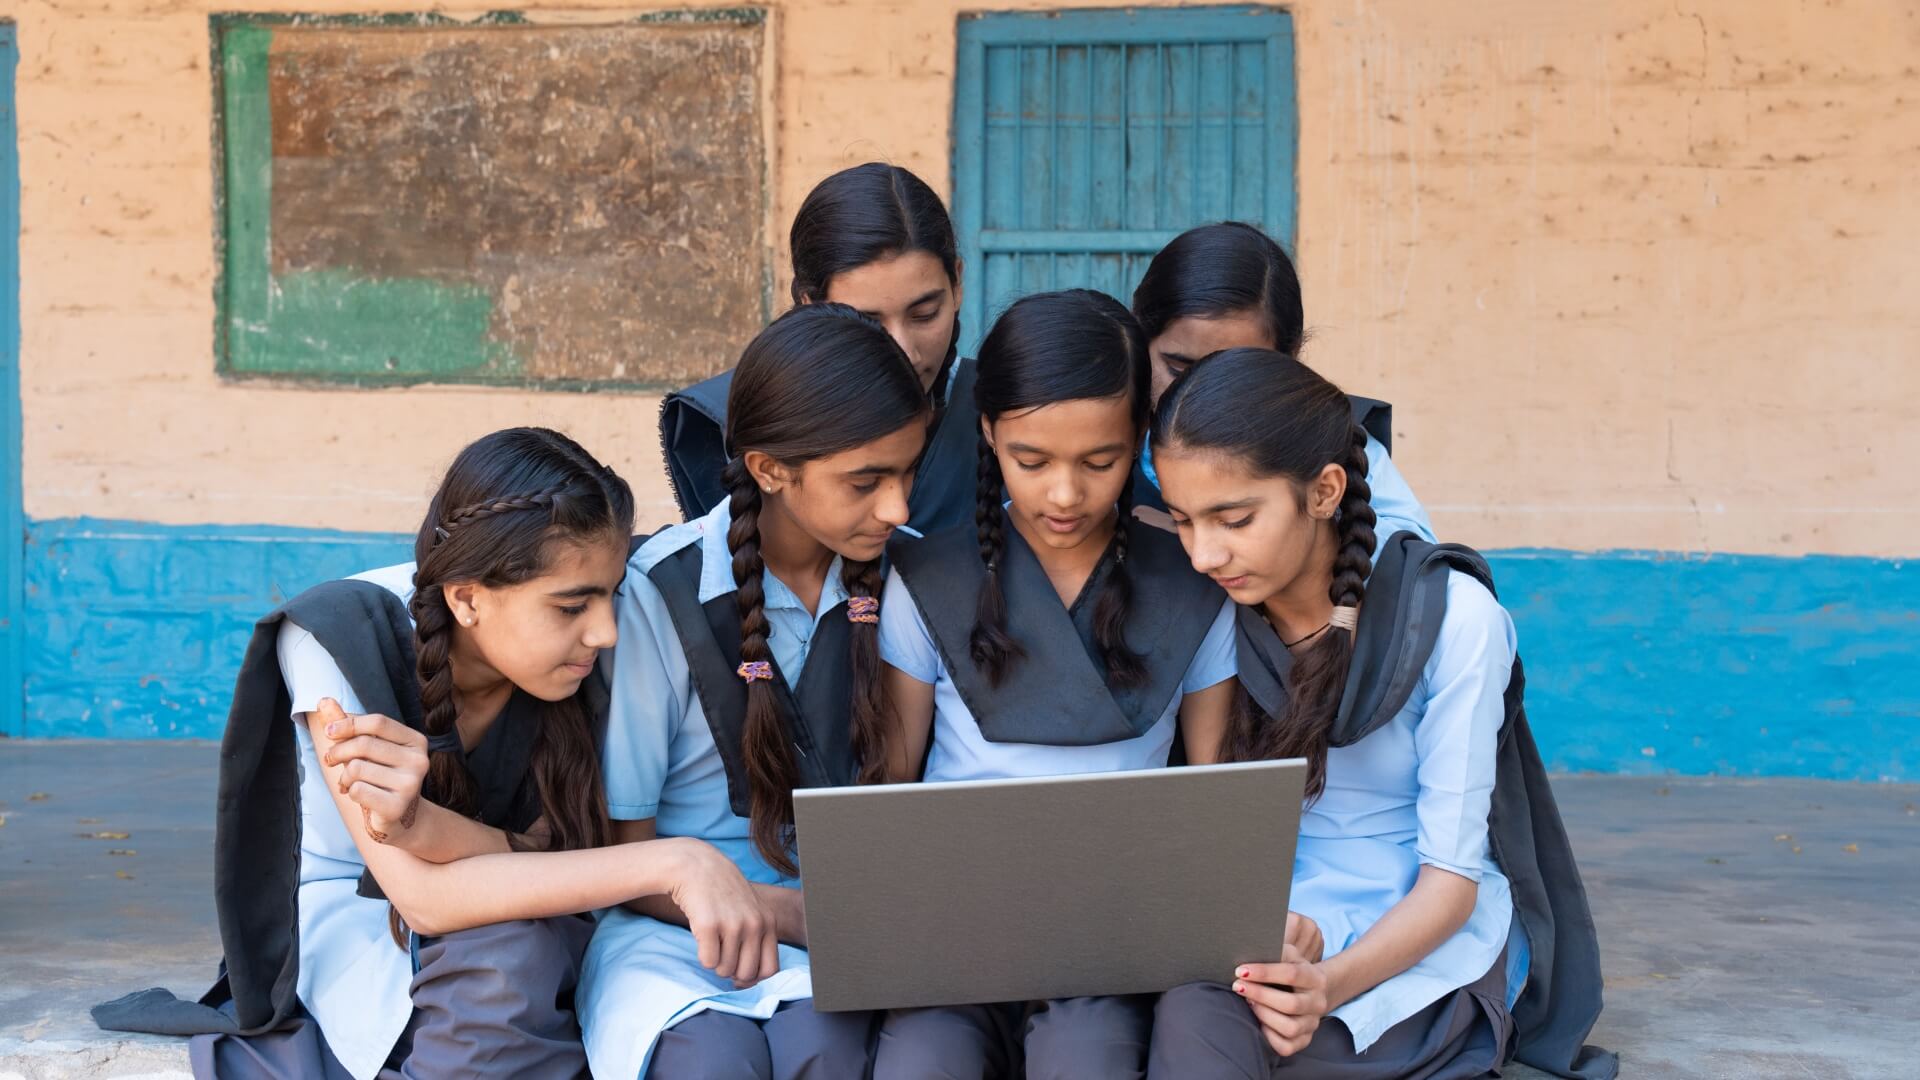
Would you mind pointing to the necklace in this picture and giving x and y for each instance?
(1307, 638)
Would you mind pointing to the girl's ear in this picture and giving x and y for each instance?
(1326, 491)
(986, 432)
(769, 475)
(460, 598)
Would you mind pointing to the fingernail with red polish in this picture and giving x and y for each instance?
(333, 729)
(1239, 989)
(1243, 973)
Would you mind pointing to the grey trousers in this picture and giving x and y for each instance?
(795, 1043)
(494, 1000)
(957, 1042)
(1096, 1038)
(1205, 1031)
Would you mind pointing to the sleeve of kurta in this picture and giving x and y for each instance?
(1394, 504)
(1216, 662)
(310, 672)
(651, 693)
(905, 642)
(1458, 736)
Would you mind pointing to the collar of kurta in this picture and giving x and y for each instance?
(1058, 693)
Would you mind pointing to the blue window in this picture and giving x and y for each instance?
(1085, 140)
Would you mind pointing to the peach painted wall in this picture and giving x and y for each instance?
(1635, 274)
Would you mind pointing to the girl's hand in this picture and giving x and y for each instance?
(1288, 998)
(736, 934)
(1304, 934)
(385, 766)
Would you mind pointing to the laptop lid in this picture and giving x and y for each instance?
(1026, 889)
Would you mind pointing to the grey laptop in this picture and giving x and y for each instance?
(1068, 886)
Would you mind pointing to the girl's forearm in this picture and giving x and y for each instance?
(1433, 911)
(440, 898)
(440, 835)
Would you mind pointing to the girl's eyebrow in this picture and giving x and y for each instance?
(1236, 504)
(1110, 448)
(579, 592)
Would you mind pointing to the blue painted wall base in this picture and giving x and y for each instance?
(137, 630)
(1736, 665)
(1637, 662)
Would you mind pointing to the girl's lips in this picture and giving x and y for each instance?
(1060, 524)
(1230, 583)
(582, 670)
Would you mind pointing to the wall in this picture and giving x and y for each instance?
(1637, 276)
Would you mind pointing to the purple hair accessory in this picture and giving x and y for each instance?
(863, 609)
(755, 669)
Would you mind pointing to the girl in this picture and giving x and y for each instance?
(876, 238)
(748, 667)
(1230, 286)
(1402, 691)
(398, 870)
(1056, 635)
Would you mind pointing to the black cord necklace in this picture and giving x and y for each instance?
(1302, 641)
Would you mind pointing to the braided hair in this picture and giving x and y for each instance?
(1072, 345)
(1277, 417)
(817, 361)
(504, 505)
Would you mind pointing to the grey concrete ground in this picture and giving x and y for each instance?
(1750, 928)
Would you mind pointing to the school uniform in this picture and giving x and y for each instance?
(1431, 764)
(1053, 713)
(1395, 507)
(332, 993)
(693, 424)
(673, 754)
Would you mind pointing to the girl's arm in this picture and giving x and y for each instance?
(441, 898)
(784, 908)
(384, 765)
(913, 667)
(1435, 909)
(1203, 722)
(1208, 687)
(783, 917)
(912, 704)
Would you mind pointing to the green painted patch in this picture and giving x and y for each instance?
(336, 323)
(333, 323)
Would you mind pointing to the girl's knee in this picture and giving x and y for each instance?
(1204, 1029)
(962, 1043)
(1191, 1001)
(711, 1046)
(807, 1045)
(1089, 1037)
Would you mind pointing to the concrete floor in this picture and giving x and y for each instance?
(1749, 928)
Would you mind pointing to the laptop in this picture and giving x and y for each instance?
(1049, 887)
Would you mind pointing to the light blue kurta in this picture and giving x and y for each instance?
(643, 976)
(960, 752)
(1416, 793)
(354, 981)
(1394, 506)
